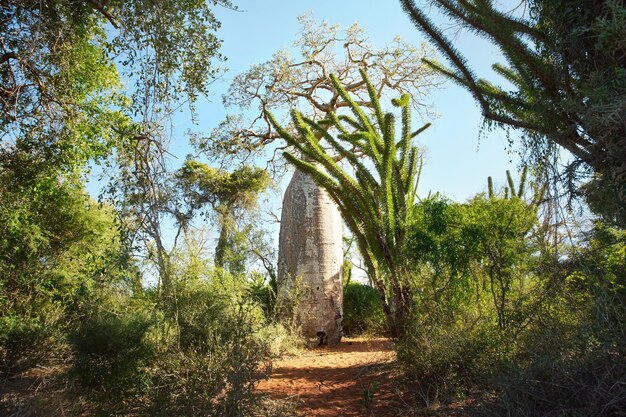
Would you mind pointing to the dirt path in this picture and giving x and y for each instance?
(352, 379)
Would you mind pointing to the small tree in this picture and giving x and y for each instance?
(374, 202)
(229, 194)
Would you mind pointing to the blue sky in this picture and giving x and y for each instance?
(457, 162)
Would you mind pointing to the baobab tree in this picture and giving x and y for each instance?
(310, 247)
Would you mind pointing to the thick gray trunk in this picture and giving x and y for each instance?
(310, 260)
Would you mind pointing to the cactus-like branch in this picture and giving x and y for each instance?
(376, 198)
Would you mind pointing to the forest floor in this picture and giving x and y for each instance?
(354, 378)
(358, 377)
(41, 391)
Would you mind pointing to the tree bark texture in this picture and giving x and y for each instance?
(310, 261)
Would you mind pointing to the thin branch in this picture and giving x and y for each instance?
(101, 8)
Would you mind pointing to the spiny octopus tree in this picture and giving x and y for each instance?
(375, 201)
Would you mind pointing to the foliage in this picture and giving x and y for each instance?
(447, 359)
(216, 354)
(567, 74)
(474, 290)
(199, 353)
(374, 203)
(231, 195)
(22, 338)
(461, 250)
(561, 376)
(362, 312)
(59, 60)
(112, 355)
(497, 313)
(263, 291)
(63, 102)
(571, 361)
(57, 248)
(238, 189)
(601, 275)
(59, 94)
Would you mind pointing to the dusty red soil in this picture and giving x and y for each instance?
(354, 378)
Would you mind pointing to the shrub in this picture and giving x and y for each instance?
(573, 362)
(195, 353)
(560, 379)
(24, 341)
(448, 360)
(281, 339)
(112, 355)
(211, 365)
(362, 311)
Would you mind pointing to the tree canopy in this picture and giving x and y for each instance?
(61, 62)
(303, 79)
(230, 194)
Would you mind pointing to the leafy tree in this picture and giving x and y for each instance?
(58, 251)
(375, 202)
(567, 74)
(229, 194)
(460, 249)
(58, 92)
(59, 69)
(62, 100)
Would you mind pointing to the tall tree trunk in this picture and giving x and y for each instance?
(310, 260)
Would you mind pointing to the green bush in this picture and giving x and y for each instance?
(448, 360)
(559, 377)
(561, 353)
(112, 355)
(211, 364)
(195, 353)
(573, 361)
(56, 247)
(263, 292)
(362, 311)
(25, 341)
(281, 339)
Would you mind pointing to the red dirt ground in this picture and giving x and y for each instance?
(353, 378)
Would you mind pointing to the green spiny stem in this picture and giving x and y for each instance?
(522, 182)
(374, 102)
(509, 179)
(356, 109)
(420, 130)
(387, 173)
(352, 122)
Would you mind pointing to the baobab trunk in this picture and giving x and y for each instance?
(310, 260)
